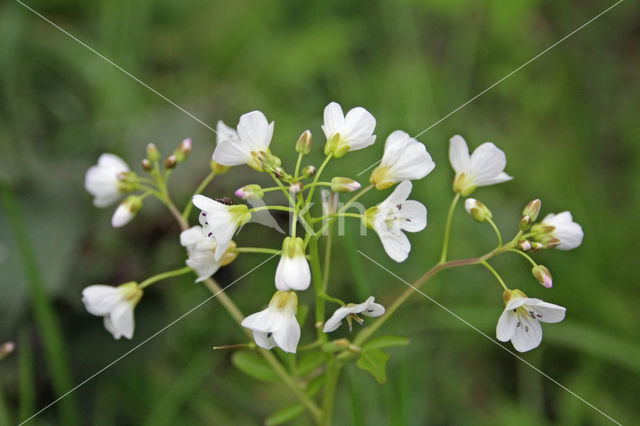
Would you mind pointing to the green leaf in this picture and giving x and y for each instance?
(303, 311)
(254, 365)
(310, 362)
(375, 362)
(385, 342)
(285, 414)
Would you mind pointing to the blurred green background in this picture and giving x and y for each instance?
(568, 123)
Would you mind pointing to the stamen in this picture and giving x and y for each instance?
(210, 234)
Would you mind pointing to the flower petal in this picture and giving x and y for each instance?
(333, 119)
(121, 320)
(254, 131)
(396, 244)
(506, 325)
(413, 216)
(527, 334)
(547, 312)
(287, 334)
(225, 133)
(99, 299)
(358, 128)
(486, 163)
(458, 154)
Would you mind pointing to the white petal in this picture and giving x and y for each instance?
(396, 244)
(547, 312)
(108, 325)
(527, 335)
(413, 216)
(230, 153)
(287, 334)
(113, 163)
(358, 128)
(256, 321)
(486, 162)
(207, 204)
(400, 194)
(263, 340)
(225, 133)
(501, 177)
(254, 131)
(516, 302)
(293, 273)
(121, 319)
(458, 154)
(414, 164)
(336, 319)
(506, 325)
(100, 299)
(372, 309)
(333, 119)
(191, 236)
(121, 216)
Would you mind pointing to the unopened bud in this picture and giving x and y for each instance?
(127, 182)
(478, 211)
(219, 169)
(146, 165)
(342, 184)
(536, 246)
(126, 211)
(329, 202)
(170, 162)
(542, 274)
(525, 222)
(267, 162)
(532, 210)
(303, 145)
(308, 171)
(281, 174)
(152, 153)
(524, 245)
(183, 151)
(295, 188)
(6, 349)
(250, 192)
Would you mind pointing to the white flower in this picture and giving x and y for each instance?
(115, 304)
(104, 180)
(277, 325)
(246, 145)
(393, 216)
(484, 167)
(404, 158)
(220, 221)
(350, 133)
(350, 311)
(293, 269)
(201, 251)
(559, 231)
(126, 211)
(520, 321)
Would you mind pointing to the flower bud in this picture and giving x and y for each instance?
(152, 153)
(250, 192)
(536, 246)
(281, 174)
(266, 161)
(525, 222)
(6, 349)
(127, 182)
(303, 145)
(329, 202)
(146, 165)
(170, 162)
(126, 211)
(478, 211)
(342, 184)
(542, 274)
(532, 209)
(183, 150)
(218, 169)
(308, 171)
(524, 245)
(295, 188)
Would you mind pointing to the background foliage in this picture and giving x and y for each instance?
(567, 122)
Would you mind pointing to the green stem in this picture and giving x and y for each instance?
(447, 229)
(316, 275)
(284, 190)
(333, 374)
(206, 181)
(495, 228)
(164, 275)
(345, 207)
(489, 267)
(523, 254)
(281, 208)
(255, 250)
(311, 185)
(325, 296)
(327, 261)
(297, 170)
(320, 219)
(317, 177)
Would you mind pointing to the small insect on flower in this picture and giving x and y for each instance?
(227, 201)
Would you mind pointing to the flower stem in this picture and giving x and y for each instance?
(316, 275)
(495, 228)
(447, 229)
(327, 261)
(164, 275)
(254, 250)
(281, 208)
(297, 170)
(206, 181)
(523, 254)
(489, 267)
(317, 177)
(333, 373)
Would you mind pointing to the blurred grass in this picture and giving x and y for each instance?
(567, 122)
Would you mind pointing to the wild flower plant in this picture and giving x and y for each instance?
(210, 246)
